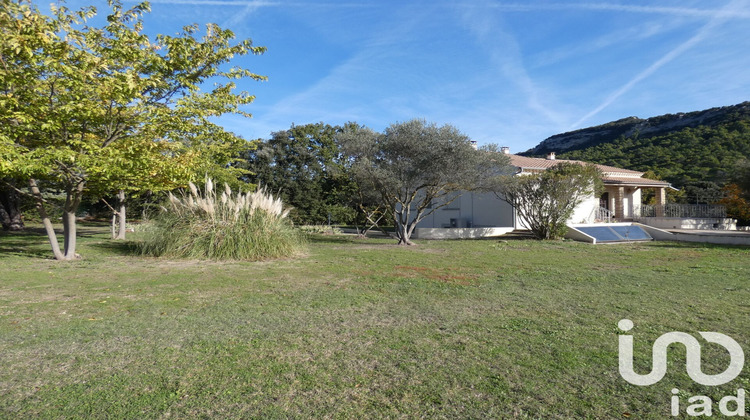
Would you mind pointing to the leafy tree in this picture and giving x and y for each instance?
(417, 167)
(10, 206)
(138, 166)
(741, 177)
(702, 192)
(90, 110)
(371, 212)
(648, 196)
(737, 207)
(696, 154)
(546, 200)
(303, 165)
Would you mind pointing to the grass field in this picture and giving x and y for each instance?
(361, 328)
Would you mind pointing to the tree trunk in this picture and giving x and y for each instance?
(10, 213)
(73, 197)
(405, 241)
(69, 233)
(121, 215)
(45, 220)
(4, 217)
(114, 225)
(403, 233)
(404, 229)
(72, 201)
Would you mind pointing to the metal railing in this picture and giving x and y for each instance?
(601, 214)
(685, 211)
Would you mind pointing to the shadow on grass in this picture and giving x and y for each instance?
(25, 252)
(30, 243)
(685, 244)
(332, 239)
(378, 238)
(118, 248)
(350, 239)
(28, 232)
(512, 236)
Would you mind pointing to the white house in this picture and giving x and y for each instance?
(476, 215)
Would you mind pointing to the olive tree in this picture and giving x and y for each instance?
(417, 167)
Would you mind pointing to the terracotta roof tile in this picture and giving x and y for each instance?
(524, 162)
(642, 182)
(611, 174)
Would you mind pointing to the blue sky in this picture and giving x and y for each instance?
(506, 72)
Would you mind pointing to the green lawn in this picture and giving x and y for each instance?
(360, 328)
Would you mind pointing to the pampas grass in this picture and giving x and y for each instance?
(227, 226)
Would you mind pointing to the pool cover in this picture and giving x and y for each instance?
(616, 233)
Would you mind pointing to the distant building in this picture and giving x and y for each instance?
(484, 214)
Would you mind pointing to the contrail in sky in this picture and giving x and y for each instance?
(678, 11)
(254, 3)
(718, 19)
(508, 7)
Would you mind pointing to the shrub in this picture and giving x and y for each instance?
(545, 201)
(252, 226)
(320, 229)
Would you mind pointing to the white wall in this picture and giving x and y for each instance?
(486, 210)
(460, 233)
(635, 209)
(475, 210)
(585, 212)
(688, 223)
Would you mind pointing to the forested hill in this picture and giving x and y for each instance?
(681, 148)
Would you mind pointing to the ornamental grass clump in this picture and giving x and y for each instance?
(230, 226)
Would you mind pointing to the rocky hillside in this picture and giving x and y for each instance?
(637, 128)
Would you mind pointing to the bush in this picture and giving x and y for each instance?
(252, 226)
(545, 201)
(320, 229)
